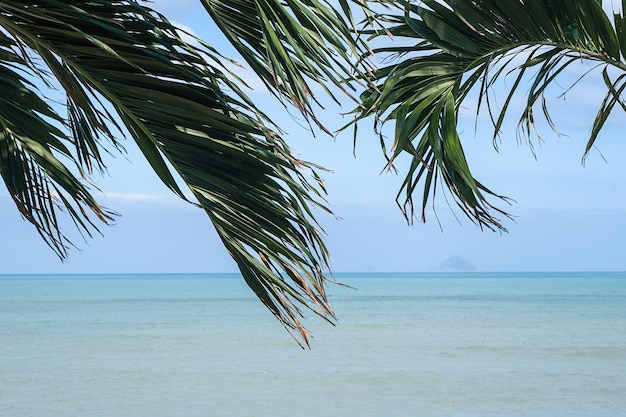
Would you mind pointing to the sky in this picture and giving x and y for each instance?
(567, 217)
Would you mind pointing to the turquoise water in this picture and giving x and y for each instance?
(404, 345)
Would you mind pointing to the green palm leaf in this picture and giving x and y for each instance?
(290, 44)
(31, 143)
(463, 46)
(126, 71)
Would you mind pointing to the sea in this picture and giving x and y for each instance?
(409, 344)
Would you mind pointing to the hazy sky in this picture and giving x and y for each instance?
(568, 217)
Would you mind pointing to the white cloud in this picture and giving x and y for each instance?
(133, 197)
(136, 197)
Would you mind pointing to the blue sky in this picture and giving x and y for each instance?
(568, 217)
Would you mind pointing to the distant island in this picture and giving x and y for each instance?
(455, 263)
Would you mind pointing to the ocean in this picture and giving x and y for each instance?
(414, 345)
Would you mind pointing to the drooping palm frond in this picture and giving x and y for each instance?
(32, 140)
(121, 63)
(449, 48)
(291, 44)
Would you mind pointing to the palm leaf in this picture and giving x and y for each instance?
(465, 45)
(122, 64)
(31, 143)
(291, 44)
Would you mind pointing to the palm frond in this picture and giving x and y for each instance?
(31, 142)
(291, 44)
(121, 63)
(466, 45)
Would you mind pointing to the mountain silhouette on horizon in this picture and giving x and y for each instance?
(455, 263)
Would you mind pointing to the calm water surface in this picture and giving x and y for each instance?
(404, 345)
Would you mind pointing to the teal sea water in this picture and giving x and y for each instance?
(459, 345)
